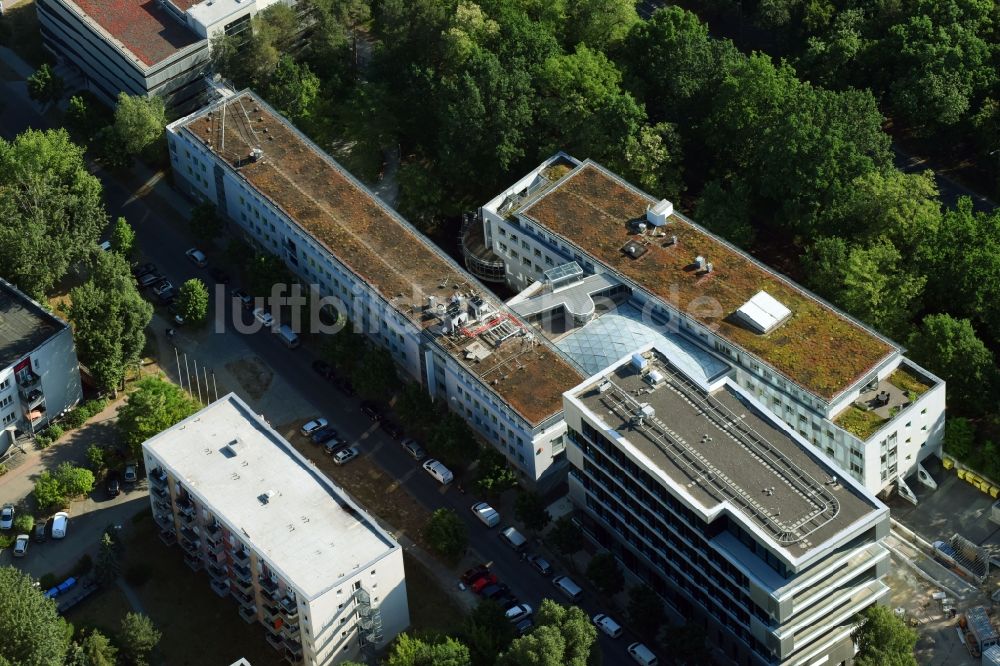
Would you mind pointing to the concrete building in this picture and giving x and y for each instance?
(440, 325)
(39, 373)
(727, 512)
(604, 267)
(269, 529)
(142, 47)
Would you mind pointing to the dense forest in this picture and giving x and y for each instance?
(787, 157)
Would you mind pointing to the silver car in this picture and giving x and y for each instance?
(7, 517)
(21, 545)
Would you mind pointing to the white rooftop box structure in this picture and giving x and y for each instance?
(763, 312)
(658, 213)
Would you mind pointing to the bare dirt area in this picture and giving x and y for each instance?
(252, 374)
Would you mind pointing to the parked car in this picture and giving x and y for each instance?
(475, 572)
(7, 517)
(344, 456)
(495, 591)
(642, 654)
(486, 514)
(105, 246)
(38, 534)
(322, 368)
(264, 317)
(245, 299)
(524, 626)
(21, 545)
(197, 257)
(112, 484)
(162, 287)
(143, 270)
(394, 430)
(149, 279)
(60, 522)
(437, 470)
(513, 538)
(312, 426)
(323, 435)
(518, 613)
(332, 445)
(540, 564)
(345, 385)
(415, 450)
(606, 624)
(369, 409)
(482, 582)
(131, 472)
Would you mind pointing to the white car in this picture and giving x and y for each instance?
(486, 514)
(197, 257)
(7, 517)
(314, 425)
(606, 624)
(517, 613)
(264, 317)
(344, 456)
(60, 522)
(21, 545)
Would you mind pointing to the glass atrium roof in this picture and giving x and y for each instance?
(616, 334)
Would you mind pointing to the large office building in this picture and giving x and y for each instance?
(440, 325)
(270, 530)
(604, 268)
(724, 509)
(142, 47)
(39, 373)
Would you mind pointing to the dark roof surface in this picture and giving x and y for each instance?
(23, 325)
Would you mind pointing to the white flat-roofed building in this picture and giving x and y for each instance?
(296, 553)
(723, 509)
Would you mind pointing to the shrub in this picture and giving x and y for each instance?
(49, 492)
(95, 458)
(137, 574)
(83, 566)
(55, 431)
(74, 419)
(3, 469)
(6, 540)
(42, 441)
(23, 523)
(48, 581)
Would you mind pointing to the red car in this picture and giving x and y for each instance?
(475, 572)
(483, 581)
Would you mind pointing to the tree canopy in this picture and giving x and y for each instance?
(447, 534)
(153, 406)
(31, 631)
(882, 638)
(563, 636)
(444, 651)
(192, 301)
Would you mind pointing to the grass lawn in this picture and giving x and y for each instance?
(860, 423)
(431, 609)
(198, 626)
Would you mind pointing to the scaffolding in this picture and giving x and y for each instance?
(965, 556)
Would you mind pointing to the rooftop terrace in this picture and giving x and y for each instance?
(24, 325)
(817, 347)
(719, 449)
(385, 252)
(143, 27)
(307, 528)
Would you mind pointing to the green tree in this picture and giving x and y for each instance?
(882, 638)
(51, 209)
(123, 237)
(192, 301)
(447, 534)
(44, 85)
(139, 122)
(379, 379)
(205, 223)
(293, 89)
(154, 405)
(645, 612)
(138, 638)
(959, 437)
(416, 409)
(345, 348)
(565, 536)
(724, 208)
(109, 319)
(493, 474)
(49, 493)
(600, 24)
(79, 119)
(530, 509)
(444, 651)
(75, 481)
(453, 442)
(487, 632)
(108, 567)
(604, 572)
(563, 636)
(949, 347)
(95, 649)
(264, 271)
(31, 630)
(95, 458)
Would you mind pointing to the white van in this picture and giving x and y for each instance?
(642, 654)
(437, 470)
(566, 585)
(606, 624)
(288, 336)
(513, 538)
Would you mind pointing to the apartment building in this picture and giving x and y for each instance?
(269, 529)
(603, 266)
(142, 47)
(440, 325)
(39, 373)
(726, 511)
